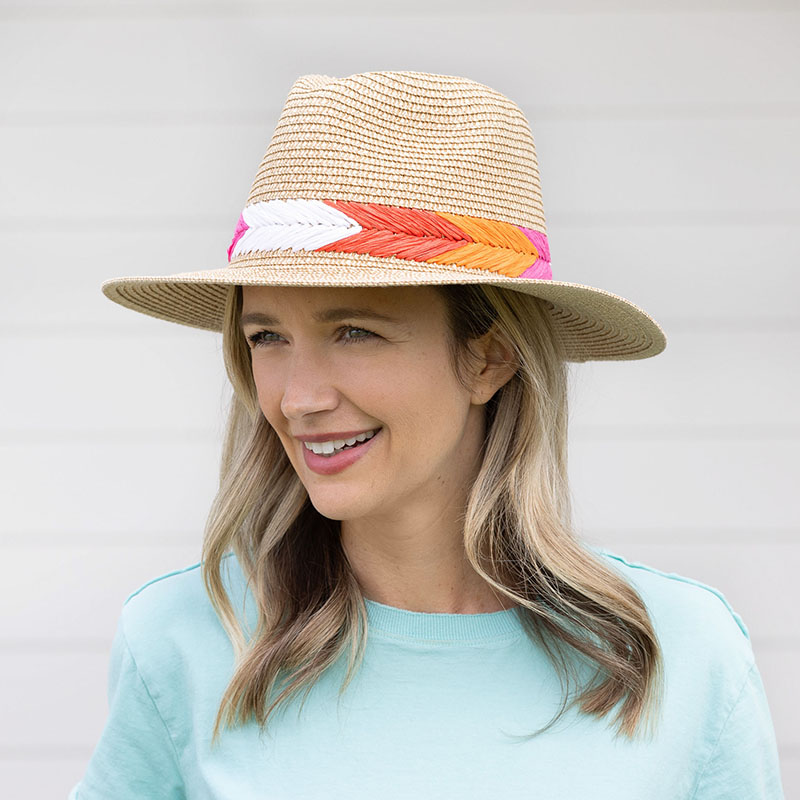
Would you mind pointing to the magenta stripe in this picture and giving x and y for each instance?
(241, 227)
(541, 267)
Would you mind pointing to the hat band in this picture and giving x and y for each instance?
(413, 234)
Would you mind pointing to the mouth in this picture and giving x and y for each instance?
(330, 463)
(340, 446)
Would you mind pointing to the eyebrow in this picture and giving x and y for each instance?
(327, 315)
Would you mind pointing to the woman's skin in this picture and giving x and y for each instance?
(400, 503)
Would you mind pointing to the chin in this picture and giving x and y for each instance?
(333, 504)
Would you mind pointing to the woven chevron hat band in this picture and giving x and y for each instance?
(398, 179)
(429, 237)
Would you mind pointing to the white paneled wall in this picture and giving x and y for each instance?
(131, 131)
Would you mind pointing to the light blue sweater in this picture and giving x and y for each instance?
(432, 712)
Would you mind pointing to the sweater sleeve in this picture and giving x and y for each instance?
(744, 763)
(135, 757)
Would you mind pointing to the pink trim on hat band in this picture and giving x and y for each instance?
(433, 237)
(541, 267)
(241, 227)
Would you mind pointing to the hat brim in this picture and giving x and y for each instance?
(593, 324)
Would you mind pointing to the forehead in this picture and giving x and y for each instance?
(328, 303)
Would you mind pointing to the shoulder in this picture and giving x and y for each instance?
(715, 704)
(687, 614)
(162, 596)
(172, 613)
(180, 585)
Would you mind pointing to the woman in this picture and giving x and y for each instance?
(392, 600)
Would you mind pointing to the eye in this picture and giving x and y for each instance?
(260, 338)
(257, 338)
(369, 334)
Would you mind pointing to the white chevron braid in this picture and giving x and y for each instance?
(295, 224)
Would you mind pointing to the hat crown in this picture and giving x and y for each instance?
(402, 138)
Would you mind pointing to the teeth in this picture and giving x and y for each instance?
(326, 448)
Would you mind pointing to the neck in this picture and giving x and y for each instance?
(413, 557)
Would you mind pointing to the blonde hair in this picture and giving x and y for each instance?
(518, 536)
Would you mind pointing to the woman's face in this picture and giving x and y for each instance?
(330, 361)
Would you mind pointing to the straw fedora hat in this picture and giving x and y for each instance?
(398, 179)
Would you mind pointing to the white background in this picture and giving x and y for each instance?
(667, 140)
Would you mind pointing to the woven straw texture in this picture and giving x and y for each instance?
(383, 150)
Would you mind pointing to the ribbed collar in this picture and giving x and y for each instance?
(420, 625)
(485, 627)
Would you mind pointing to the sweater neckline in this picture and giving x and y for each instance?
(437, 626)
(426, 626)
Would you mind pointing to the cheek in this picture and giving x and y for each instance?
(267, 390)
(417, 394)
(429, 404)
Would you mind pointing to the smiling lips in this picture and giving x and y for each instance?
(330, 446)
(332, 437)
(325, 459)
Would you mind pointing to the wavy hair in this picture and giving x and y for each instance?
(518, 536)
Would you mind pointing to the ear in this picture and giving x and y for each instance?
(497, 364)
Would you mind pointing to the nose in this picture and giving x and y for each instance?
(307, 384)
